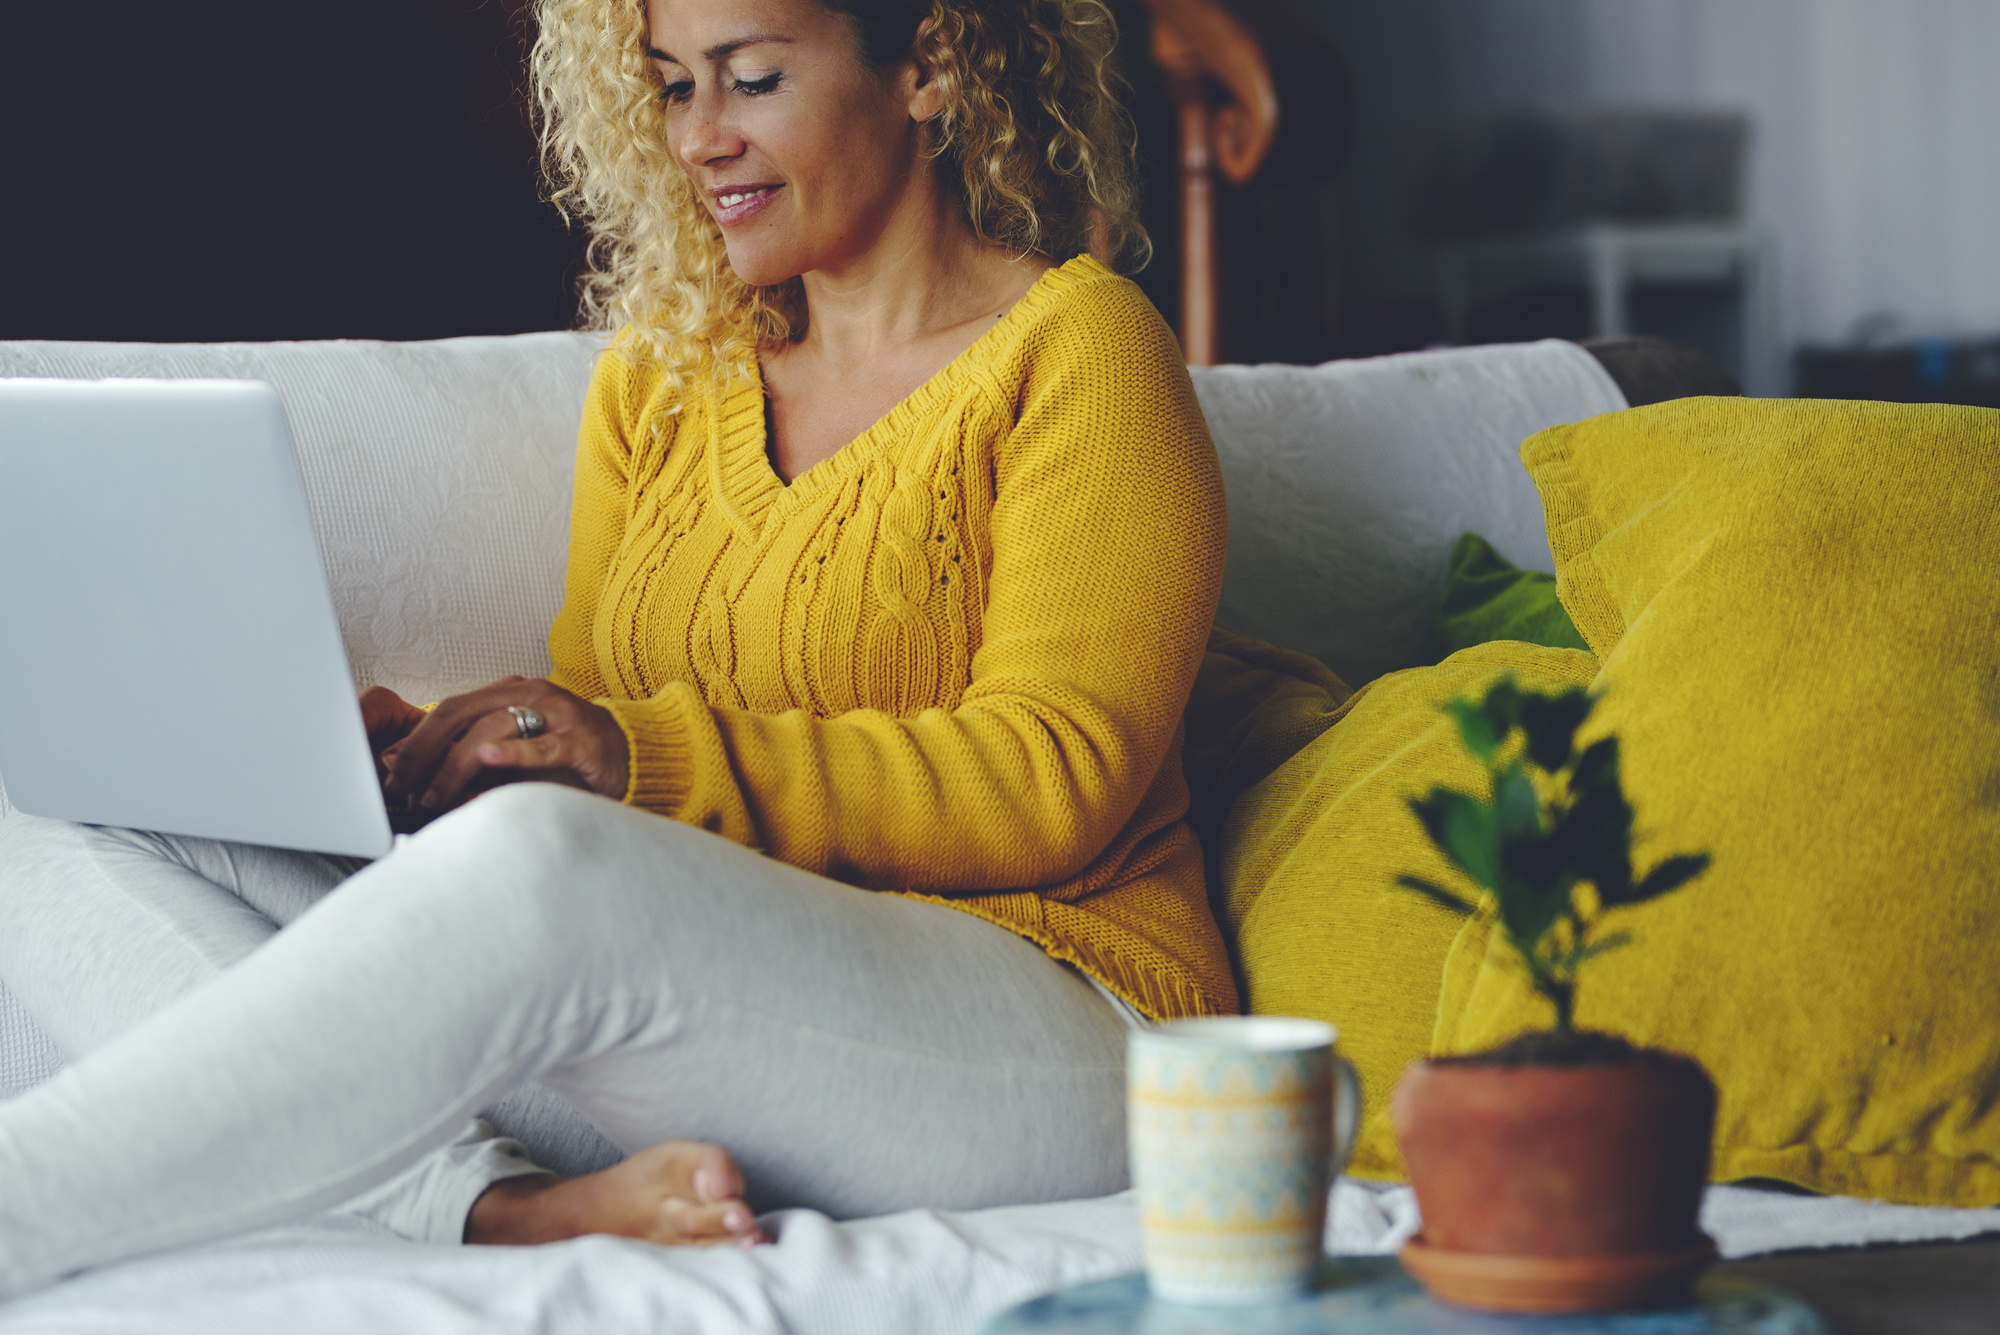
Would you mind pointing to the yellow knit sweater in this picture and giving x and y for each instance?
(951, 660)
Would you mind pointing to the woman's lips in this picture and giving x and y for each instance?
(735, 206)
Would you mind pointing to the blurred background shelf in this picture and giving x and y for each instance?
(1704, 284)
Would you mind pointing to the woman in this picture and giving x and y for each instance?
(896, 537)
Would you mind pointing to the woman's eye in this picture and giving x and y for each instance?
(754, 87)
(677, 92)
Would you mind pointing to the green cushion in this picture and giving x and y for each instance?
(1487, 598)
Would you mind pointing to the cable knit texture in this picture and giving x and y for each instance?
(951, 660)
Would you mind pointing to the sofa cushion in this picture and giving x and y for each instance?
(1253, 707)
(1797, 605)
(1309, 857)
(439, 478)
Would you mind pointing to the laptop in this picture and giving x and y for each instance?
(169, 656)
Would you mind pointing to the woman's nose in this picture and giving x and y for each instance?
(707, 132)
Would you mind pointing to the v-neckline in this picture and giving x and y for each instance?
(741, 473)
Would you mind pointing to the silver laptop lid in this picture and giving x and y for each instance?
(169, 656)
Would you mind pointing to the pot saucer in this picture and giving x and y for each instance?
(1557, 1283)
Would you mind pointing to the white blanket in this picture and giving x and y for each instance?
(920, 1273)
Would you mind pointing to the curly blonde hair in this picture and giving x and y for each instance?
(1032, 136)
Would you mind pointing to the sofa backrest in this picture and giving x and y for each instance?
(1349, 482)
(439, 479)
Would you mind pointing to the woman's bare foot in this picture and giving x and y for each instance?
(679, 1192)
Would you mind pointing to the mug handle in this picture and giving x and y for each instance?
(1346, 1113)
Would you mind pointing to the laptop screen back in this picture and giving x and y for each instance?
(169, 654)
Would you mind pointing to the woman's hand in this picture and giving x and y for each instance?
(389, 718)
(470, 743)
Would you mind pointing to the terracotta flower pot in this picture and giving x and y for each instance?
(1557, 1188)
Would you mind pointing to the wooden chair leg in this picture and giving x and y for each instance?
(1198, 294)
(1208, 54)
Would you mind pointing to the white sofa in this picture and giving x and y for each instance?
(439, 479)
(438, 475)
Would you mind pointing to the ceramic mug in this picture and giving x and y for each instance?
(1237, 1127)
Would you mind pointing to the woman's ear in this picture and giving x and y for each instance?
(926, 94)
(927, 102)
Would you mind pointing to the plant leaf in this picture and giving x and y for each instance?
(1670, 875)
(1577, 956)
(1502, 706)
(1474, 729)
(1437, 894)
(1551, 721)
(1565, 850)
(1530, 908)
(1516, 810)
(1600, 841)
(1596, 767)
(1463, 829)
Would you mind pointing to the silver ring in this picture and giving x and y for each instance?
(527, 722)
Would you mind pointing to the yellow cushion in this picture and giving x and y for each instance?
(1797, 606)
(1253, 707)
(1797, 610)
(1309, 857)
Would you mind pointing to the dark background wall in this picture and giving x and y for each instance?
(256, 169)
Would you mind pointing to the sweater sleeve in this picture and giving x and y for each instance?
(1107, 533)
(604, 462)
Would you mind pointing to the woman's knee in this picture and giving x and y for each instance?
(37, 853)
(42, 844)
(538, 822)
(544, 860)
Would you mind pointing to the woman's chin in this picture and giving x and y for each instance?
(758, 266)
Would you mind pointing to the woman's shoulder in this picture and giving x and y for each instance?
(634, 385)
(1084, 299)
(1093, 376)
(636, 404)
(629, 370)
(1080, 318)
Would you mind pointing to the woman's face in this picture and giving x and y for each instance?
(803, 156)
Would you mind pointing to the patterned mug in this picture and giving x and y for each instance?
(1238, 1124)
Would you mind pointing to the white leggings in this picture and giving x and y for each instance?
(858, 1053)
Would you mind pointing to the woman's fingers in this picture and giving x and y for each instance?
(387, 716)
(462, 776)
(424, 750)
(581, 745)
(549, 751)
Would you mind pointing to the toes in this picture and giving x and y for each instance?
(715, 1176)
(677, 1192)
(742, 1225)
(707, 1223)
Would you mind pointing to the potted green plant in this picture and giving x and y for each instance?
(1562, 1170)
